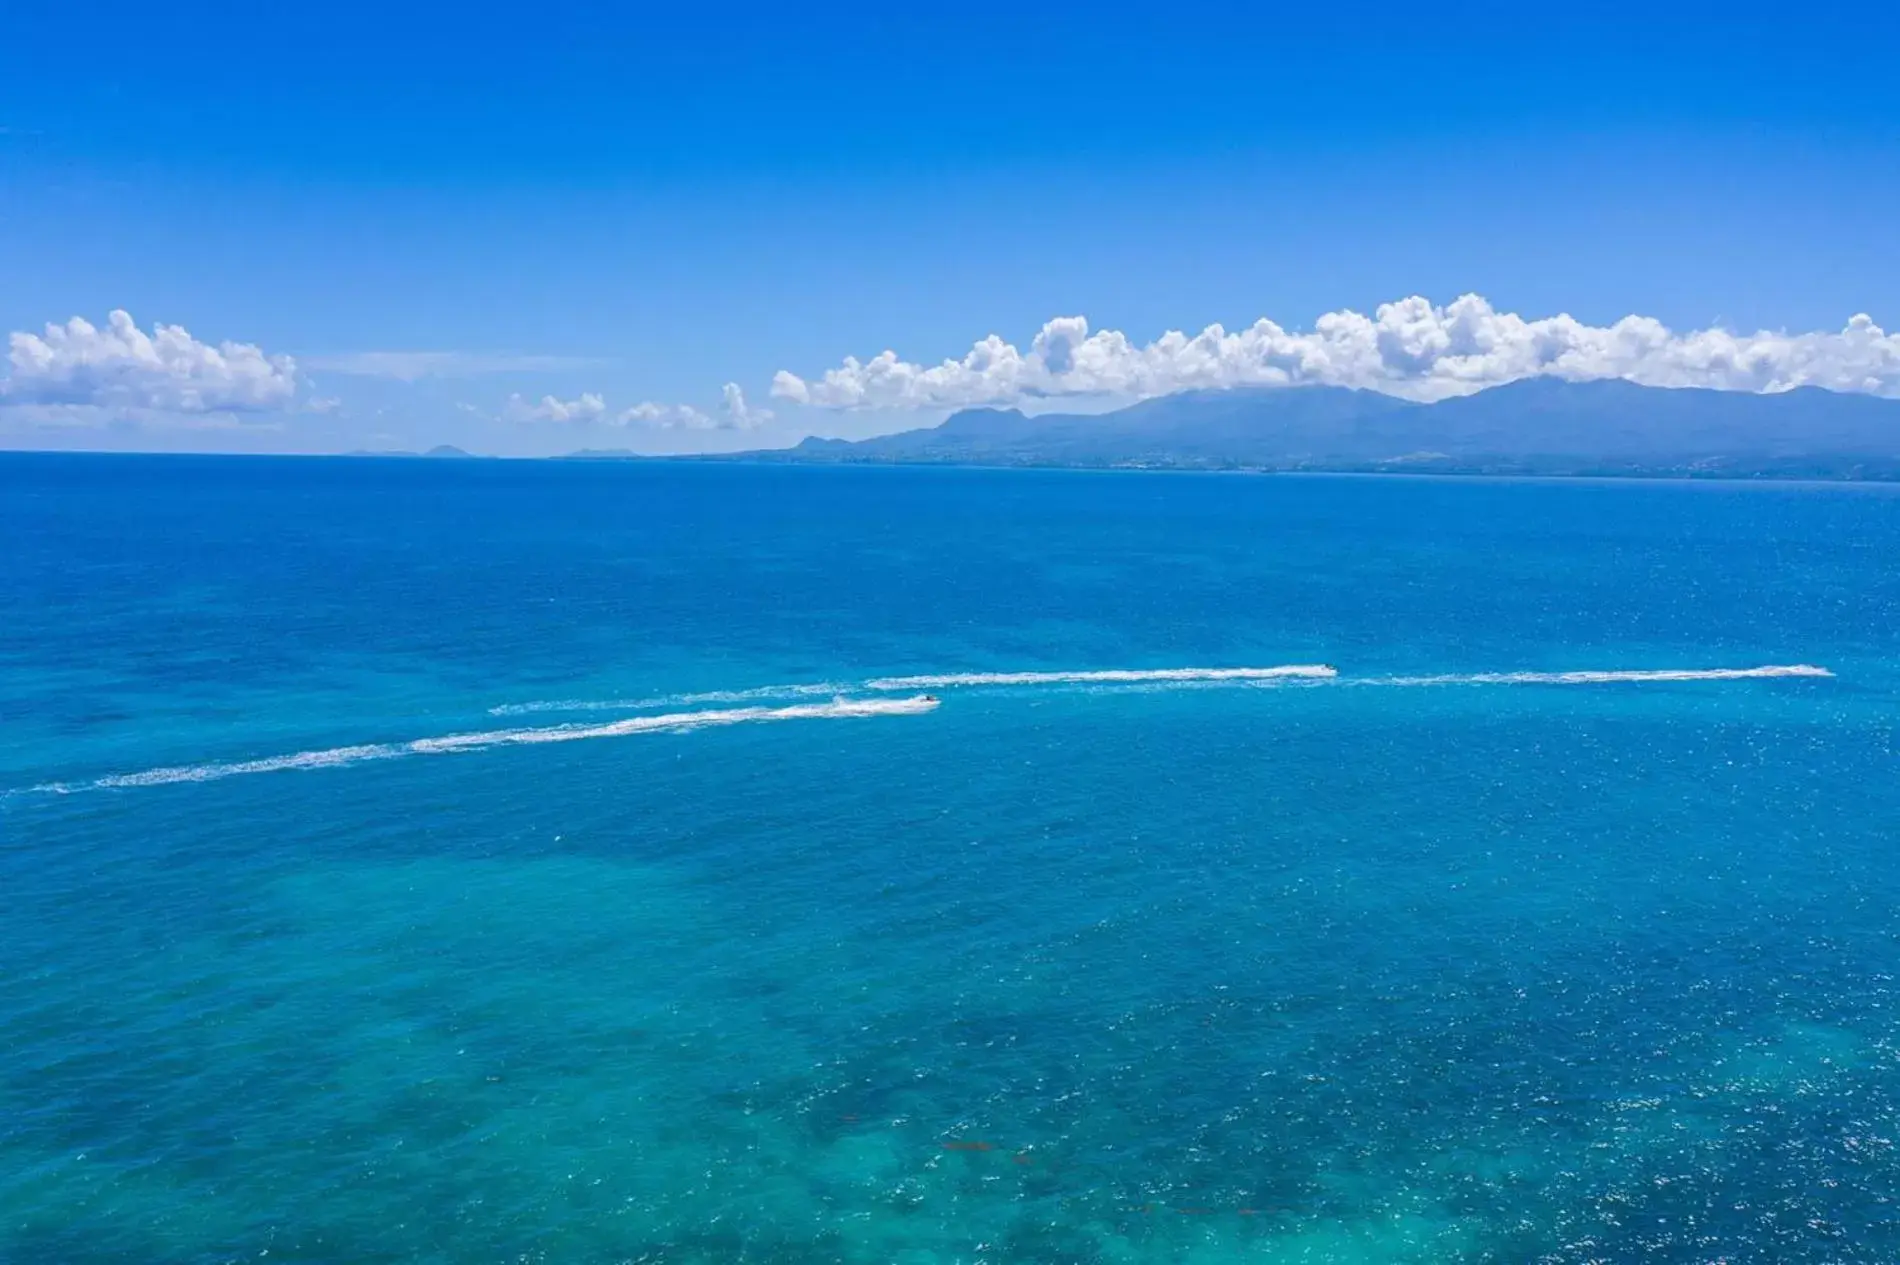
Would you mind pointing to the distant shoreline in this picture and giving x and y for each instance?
(1883, 478)
(1889, 472)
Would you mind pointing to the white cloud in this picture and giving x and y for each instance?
(1409, 348)
(413, 366)
(734, 413)
(123, 367)
(588, 408)
(667, 417)
(739, 415)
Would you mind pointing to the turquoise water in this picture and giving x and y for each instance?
(1442, 958)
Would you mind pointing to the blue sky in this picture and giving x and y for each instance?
(570, 211)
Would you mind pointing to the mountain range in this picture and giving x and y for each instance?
(1533, 426)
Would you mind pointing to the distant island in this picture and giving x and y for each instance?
(440, 450)
(1537, 426)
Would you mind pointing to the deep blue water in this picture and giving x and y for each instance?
(1363, 968)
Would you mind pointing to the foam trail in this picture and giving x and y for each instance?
(1116, 676)
(1605, 678)
(454, 744)
(762, 694)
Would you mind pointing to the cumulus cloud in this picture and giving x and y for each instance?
(667, 417)
(738, 414)
(587, 408)
(1410, 348)
(123, 367)
(734, 413)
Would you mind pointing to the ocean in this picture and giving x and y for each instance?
(444, 861)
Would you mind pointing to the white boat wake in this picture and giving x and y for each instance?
(1602, 678)
(1111, 676)
(454, 744)
(1282, 674)
(841, 707)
